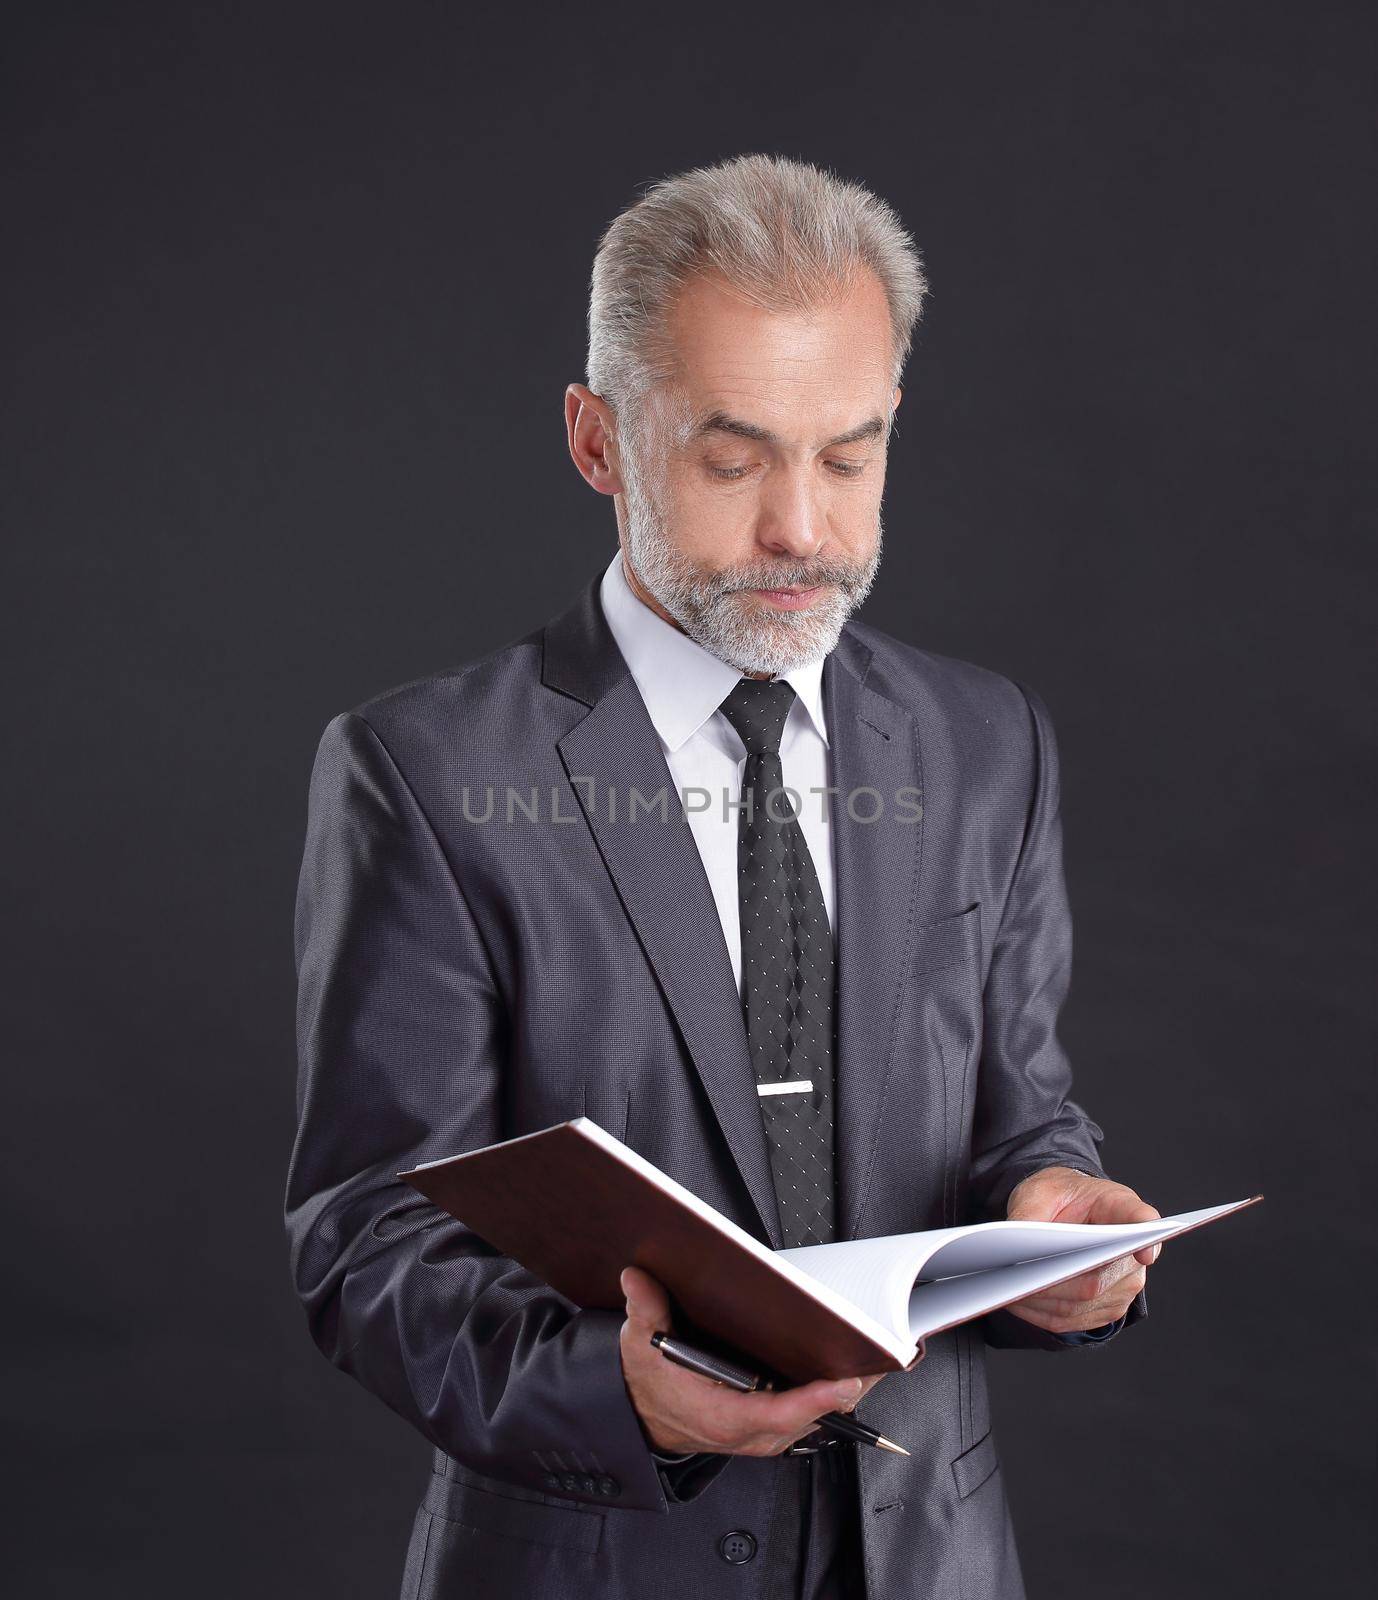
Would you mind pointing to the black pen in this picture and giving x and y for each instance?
(720, 1371)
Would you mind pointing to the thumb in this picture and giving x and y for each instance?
(831, 1394)
(647, 1301)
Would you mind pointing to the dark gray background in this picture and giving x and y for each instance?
(293, 297)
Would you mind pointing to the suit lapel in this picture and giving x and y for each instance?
(874, 747)
(659, 877)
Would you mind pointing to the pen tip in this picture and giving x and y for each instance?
(889, 1444)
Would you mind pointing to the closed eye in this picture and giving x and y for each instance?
(839, 469)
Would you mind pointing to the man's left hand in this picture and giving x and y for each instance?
(1061, 1194)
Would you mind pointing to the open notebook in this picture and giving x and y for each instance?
(574, 1205)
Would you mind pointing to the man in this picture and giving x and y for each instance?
(819, 986)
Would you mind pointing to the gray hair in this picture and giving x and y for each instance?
(785, 234)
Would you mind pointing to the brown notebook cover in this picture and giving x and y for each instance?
(574, 1213)
(574, 1205)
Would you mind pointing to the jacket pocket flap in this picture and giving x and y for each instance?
(974, 1466)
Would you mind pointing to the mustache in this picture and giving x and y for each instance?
(790, 575)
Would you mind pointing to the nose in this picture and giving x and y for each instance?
(792, 521)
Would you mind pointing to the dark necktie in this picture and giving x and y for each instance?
(787, 970)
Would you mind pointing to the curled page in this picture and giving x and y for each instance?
(918, 1284)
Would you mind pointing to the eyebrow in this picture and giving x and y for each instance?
(721, 422)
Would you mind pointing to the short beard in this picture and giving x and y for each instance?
(745, 632)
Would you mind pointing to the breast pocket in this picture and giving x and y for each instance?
(947, 943)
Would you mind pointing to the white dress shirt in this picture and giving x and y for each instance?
(683, 685)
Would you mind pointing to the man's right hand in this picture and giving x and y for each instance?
(683, 1412)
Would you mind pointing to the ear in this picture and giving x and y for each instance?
(589, 426)
(899, 395)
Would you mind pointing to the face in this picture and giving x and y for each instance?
(750, 499)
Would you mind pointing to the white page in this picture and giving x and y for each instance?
(874, 1274)
(950, 1300)
(1002, 1244)
(879, 1274)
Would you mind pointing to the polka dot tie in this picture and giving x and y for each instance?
(787, 969)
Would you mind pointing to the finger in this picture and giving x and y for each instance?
(1051, 1321)
(1111, 1307)
(788, 1410)
(1079, 1322)
(1080, 1319)
(1114, 1272)
(814, 1400)
(1089, 1313)
(1117, 1202)
(1089, 1290)
(1089, 1285)
(648, 1305)
(1147, 1256)
(1117, 1298)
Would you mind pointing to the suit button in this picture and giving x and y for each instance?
(737, 1547)
(569, 1481)
(589, 1485)
(609, 1486)
(552, 1482)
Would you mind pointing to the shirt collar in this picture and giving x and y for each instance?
(681, 683)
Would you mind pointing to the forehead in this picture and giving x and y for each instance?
(796, 374)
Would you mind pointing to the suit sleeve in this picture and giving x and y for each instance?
(1025, 1118)
(402, 1035)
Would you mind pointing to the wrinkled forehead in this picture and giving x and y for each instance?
(784, 377)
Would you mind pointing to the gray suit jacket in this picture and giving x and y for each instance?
(463, 981)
